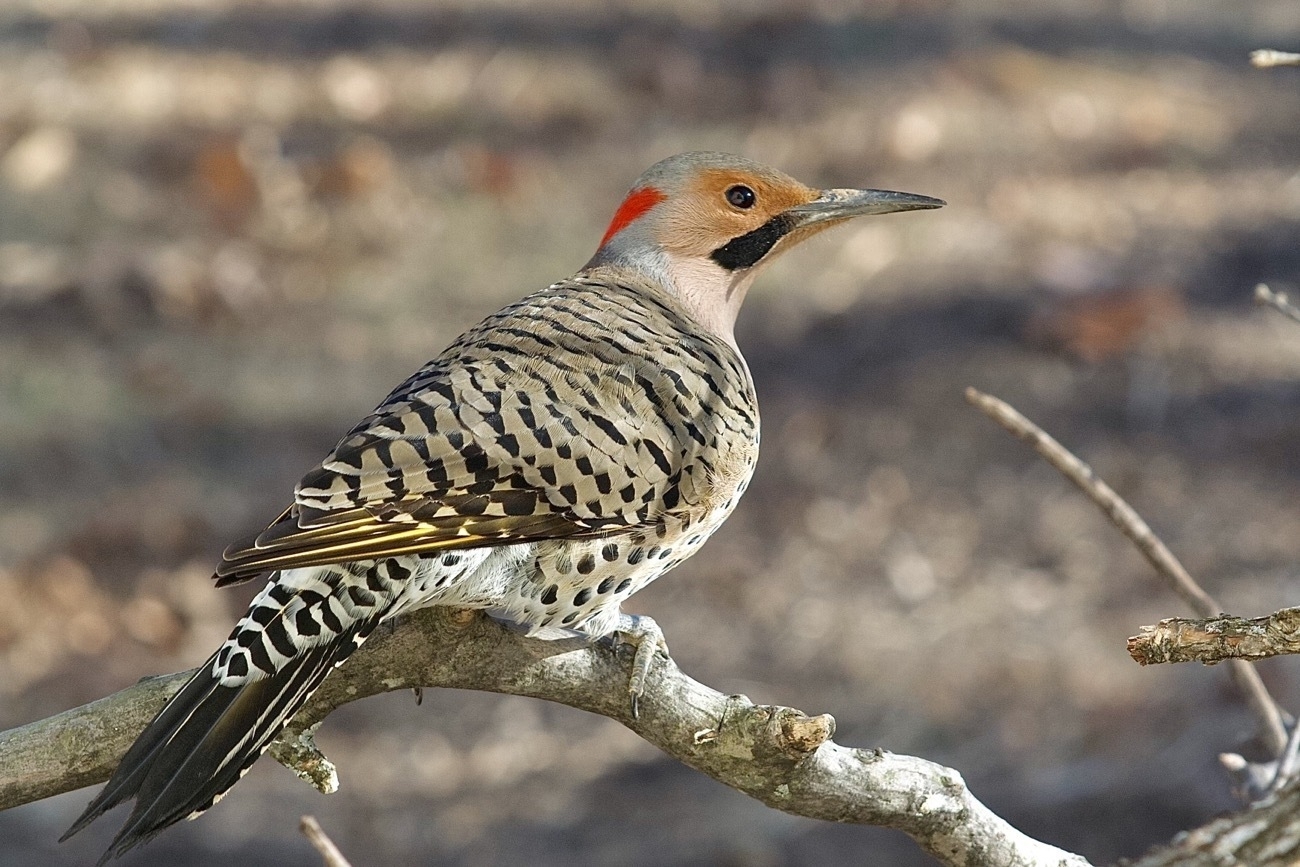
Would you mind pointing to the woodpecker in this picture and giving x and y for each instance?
(559, 456)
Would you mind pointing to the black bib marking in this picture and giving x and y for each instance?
(745, 251)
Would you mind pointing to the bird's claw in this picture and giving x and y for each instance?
(647, 639)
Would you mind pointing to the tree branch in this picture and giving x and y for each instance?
(1214, 639)
(1272, 722)
(1266, 835)
(775, 754)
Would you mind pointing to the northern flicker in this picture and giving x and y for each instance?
(562, 454)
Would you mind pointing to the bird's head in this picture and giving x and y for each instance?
(703, 224)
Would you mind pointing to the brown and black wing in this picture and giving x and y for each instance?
(549, 420)
(450, 470)
(292, 542)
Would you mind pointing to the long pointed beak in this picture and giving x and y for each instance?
(836, 205)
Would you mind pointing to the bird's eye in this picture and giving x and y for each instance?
(740, 196)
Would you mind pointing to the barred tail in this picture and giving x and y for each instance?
(209, 734)
(202, 742)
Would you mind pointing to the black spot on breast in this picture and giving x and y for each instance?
(582, 596)
(609, 552)
(587, 564)
(552, 593)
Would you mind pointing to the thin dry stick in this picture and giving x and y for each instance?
(1266, 297)
(1268, 57)
(329, 853)
(1130, 523)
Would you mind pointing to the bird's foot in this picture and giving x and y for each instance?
(647, 639)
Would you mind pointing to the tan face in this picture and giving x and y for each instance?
(702, 225)
(720, 205)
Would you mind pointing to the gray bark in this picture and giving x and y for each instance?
(778, 755)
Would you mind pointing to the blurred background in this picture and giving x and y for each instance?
(228, 228)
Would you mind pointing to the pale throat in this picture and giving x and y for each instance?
(710, 293)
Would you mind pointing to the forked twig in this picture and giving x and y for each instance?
(1130, 523)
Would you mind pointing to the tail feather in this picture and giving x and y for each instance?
(206, 738)
(135, 764)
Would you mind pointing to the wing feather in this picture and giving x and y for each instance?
(500, 441)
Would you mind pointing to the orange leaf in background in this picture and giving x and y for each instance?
(1097, 327)
(224, 181)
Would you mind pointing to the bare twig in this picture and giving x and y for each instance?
(1266, 297)
(320, 841)
(1130, 523)
(1215, 639)
(778, 755)
(1268, 57)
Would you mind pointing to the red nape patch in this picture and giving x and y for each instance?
(636, 204)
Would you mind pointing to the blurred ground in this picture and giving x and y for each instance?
(227, 229)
